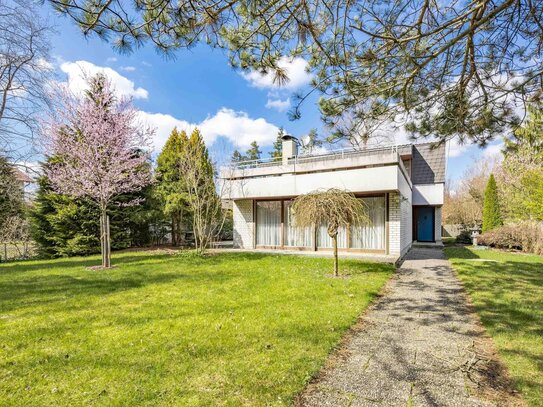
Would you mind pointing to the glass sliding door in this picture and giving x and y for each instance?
(268, 223)
(296, 236)
(372, 235)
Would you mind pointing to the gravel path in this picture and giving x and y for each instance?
(418, 346)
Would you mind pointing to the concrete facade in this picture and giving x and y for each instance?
(388, 172)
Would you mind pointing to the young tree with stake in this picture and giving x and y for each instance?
(99, 149)
(334, 208)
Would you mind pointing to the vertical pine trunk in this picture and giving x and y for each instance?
(336, 268)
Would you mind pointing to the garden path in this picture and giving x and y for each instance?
(419, 345)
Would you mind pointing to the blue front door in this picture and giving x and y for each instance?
(425, 224)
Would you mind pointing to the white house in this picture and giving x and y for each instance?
(402, 186)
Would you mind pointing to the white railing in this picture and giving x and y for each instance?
(307, 158)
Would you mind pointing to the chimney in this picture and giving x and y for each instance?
(289, 147)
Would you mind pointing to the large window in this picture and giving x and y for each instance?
(268, 223)
(296, 236)
(372, 235)
(324, 241)
(271, 232)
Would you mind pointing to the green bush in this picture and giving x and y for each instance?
(525, 236)
(464, 237)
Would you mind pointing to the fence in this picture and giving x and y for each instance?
(10, 251)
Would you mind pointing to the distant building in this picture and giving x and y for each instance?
(23, 178)
(402, 186)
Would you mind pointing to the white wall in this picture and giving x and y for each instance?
(356, 180)
(243, 224)
(428, 194)
(406, 210)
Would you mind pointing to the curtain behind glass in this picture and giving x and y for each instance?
(372, 235)
(296, 236)
(324, 241)
(268, 223)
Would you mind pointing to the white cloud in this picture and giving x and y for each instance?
(296, 70)
(128, 68)
(278, 104)
(236, 126)
(456, 149)
(163, 123)
(111, 59)
(76, 72)
(493, 150)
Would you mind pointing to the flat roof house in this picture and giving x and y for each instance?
(402, 187)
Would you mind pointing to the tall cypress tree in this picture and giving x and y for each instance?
(491, 206)
(170, 187)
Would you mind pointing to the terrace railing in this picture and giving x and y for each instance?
(308, 158)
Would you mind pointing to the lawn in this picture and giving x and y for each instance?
(507, 292)
(161, 329)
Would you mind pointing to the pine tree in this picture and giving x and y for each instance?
(237, 157)
(171, 188)
(277, 151)
(253, 153)
(491, 206)
(311, 141)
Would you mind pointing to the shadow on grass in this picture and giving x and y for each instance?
(506, 289)
(61, 279)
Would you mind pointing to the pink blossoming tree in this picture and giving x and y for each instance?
(97, 149)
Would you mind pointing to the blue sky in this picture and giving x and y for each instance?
(200, 88)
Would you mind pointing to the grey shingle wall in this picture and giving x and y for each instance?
(428, 164)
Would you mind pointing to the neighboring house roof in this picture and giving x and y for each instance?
(21, 176)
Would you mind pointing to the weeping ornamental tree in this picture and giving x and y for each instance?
(98, 150)
(334, 208)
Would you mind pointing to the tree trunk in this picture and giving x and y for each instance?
(174, 231)
(105, 242)
(336, 268)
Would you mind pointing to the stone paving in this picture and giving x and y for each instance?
(418, 346)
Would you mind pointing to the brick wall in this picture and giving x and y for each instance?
(394, 223)
(400, 224)
(406, 208)
(243, 224)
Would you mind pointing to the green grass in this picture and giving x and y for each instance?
(507, 292)
(232, 329)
